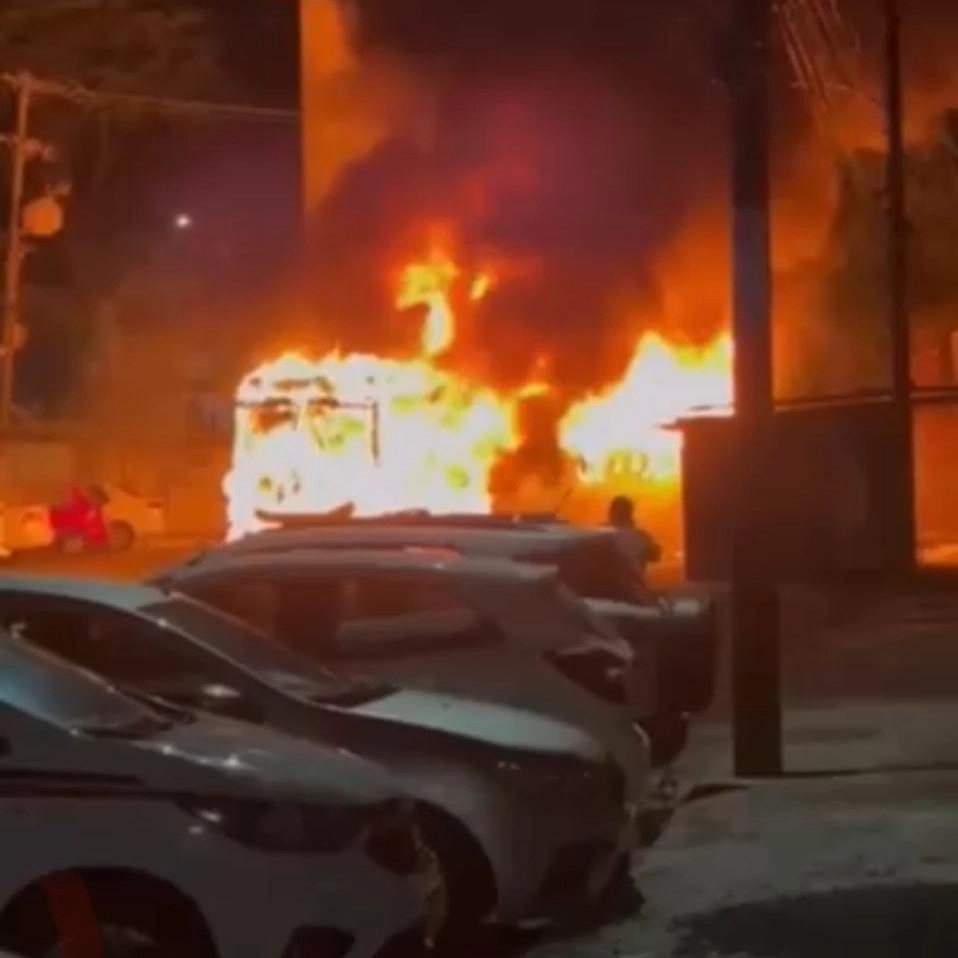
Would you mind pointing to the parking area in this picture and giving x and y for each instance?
(854, 852)
(133, 564)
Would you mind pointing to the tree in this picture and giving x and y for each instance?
(166, 47)
(109, 153)
(855, 289)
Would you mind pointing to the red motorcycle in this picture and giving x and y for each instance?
(79, 524)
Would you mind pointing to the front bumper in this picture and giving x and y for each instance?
(564, 856)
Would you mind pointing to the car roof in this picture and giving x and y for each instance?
(509, 541)
(128, 596)
(361, 560)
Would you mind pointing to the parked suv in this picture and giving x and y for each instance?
(490, 630)
(675, 638)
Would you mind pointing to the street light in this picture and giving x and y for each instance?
(183, 221)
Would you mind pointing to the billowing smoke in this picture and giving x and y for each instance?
(566, 173)
(351, 104)
(582, 154)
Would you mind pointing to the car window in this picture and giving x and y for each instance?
(252, 649)
(413, 634)
(123, 648)
(341, 617)
(384, 597)
(300, 612)
(404, 615)
(49, 689)
(252, 601)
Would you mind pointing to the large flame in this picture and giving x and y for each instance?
(385, 434)
(625, 428)
(379, 434)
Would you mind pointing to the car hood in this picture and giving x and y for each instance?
(613, 609)
(496, 725)
(211, 753)
(667, 608)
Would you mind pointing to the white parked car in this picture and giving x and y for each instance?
(203, 836)
(675, 639)
(131, 514)
(490, 630)
(24, 527)
(528, 816)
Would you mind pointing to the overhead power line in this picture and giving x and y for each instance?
(76, 93)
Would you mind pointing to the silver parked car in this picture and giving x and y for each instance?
(528, 815)
(675, 639)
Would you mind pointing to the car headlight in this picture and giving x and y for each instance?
(563, 776)
(287, 827)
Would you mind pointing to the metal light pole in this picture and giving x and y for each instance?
(899, 323)
(756, 680)
(19, 154)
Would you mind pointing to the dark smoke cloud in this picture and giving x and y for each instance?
(573, 142)
(587, 143)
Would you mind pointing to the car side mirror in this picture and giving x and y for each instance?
(217, 700)
(228, 702)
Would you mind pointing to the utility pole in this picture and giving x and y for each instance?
(899, 322)
(19, 143)
(756, 680)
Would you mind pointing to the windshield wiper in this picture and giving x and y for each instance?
(144, 727)
(353, 695)
(172, 714)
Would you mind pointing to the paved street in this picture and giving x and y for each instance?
(854, 853)
(124, 565)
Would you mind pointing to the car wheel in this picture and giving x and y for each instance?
(470, 884)
(71, 543)
(121, 536)
(621, 896)
(105, 916)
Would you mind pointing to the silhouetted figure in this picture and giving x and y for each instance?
(635, 543)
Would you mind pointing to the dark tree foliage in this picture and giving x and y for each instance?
(112, 154)
(131, 46)
(855, 266)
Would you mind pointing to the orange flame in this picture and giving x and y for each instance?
(429, 284)
(379, 434)
(623, 429)
(387, 434)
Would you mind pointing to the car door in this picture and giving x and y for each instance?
(129, 651)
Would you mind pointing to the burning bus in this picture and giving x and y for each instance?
(376, 434)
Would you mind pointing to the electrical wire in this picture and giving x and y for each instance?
(84, 96)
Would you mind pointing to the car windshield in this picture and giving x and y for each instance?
(281, 667)
(49, 689)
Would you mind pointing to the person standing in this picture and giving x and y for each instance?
(638, 546)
